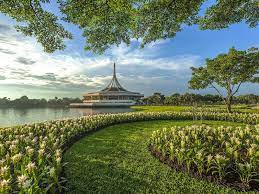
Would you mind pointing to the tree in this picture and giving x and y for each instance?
(104, 22)
(158, 98)
(248, 99)
(37, 22)
(111, 22)
(226, 12)
(227, 71)
(212, 99)
(162, 19)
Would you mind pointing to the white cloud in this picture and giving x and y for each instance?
(149, 57)
(23, 62)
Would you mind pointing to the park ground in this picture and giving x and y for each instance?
(236, 108)
(116, 159)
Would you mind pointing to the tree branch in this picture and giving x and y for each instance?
(33, 9)
(217, 90)
(232, 88)
(219, 93)
(36, 14)
(237, 89)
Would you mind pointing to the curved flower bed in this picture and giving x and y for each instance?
(229, 155)
(31, 155)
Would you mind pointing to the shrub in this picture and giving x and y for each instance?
(31, 155)
(229, 154)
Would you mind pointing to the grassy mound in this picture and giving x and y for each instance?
(116, 160)
(229, 155)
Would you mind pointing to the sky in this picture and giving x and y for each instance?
(162, 66)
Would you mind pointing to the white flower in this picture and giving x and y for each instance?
(58, 153)
(30, 167)
(41, 152)
(30, 151)
(58, 160)
(27, 184)
(4, 184)
(4, 170)
(17, 157)
(23, 181)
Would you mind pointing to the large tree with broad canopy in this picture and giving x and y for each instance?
(111, 22)
(228, 72)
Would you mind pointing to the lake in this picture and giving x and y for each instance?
(13, 116)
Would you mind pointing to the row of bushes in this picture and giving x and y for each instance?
(228, 154)
(31, 155)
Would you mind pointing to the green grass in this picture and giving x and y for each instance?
(159, 108)
(235, 108)
(116, 160)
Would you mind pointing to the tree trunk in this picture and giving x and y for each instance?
(229, 103)
(228, 107)
(229, 97)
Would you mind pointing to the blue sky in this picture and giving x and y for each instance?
(163, 66)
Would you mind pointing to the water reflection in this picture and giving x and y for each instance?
(12, 116)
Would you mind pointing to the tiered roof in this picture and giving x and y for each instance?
(114, 85)
(114, 88)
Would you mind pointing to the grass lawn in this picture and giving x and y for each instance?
(235, 108)
(116, 160)
(159, 108)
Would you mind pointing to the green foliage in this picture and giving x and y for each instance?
(228, 71)
(104, 22)
(225, 152)
(116, 160)
(37, 22)
(195, 99)
(248, 99)
(227, 12)
(232, 68)
(111, 22)
(155, 99)
(181, 99)
(161, 19)
(25, 102)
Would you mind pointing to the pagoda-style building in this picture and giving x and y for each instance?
(114, 95)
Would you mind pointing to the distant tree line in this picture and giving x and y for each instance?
(155, 99)
(190, 98)
(25, 102)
